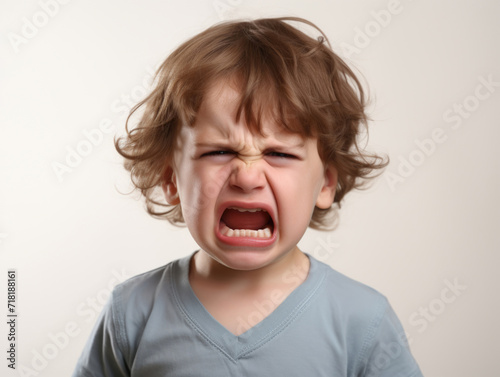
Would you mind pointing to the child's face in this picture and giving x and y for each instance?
(228, 179)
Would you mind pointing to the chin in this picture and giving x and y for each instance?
(245, 260)
(249, 259)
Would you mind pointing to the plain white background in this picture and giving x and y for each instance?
(430, 222)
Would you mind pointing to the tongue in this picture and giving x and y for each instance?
(235, 219)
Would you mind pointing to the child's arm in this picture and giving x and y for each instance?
(389, 354)
(103, 355)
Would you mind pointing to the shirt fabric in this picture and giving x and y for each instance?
(330, 325)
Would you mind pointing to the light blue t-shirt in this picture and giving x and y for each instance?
(330, 325)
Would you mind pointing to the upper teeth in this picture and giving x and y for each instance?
(247, 209)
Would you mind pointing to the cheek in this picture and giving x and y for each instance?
(296, 194)
(299, 192)
(316, 177)
(305, 183)
(200, 192)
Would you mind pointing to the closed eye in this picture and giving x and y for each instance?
(217, 153)
(281, 155)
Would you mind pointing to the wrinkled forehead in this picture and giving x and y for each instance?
(226, 106)
(220, 103)
(221, 114)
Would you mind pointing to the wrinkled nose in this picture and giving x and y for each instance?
(247, 176)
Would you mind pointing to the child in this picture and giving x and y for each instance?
(250, 135)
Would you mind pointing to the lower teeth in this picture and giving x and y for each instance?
(261, 233)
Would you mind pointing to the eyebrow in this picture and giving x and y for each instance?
(211, 145)
(222, 145)
(299, 144)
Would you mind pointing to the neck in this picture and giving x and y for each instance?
(290, 269)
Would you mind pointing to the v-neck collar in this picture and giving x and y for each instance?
(238, 346)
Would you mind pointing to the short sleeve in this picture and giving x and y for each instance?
(389, 354)
(103, 355)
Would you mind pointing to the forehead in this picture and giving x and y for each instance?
(219, 105)
(218, 116)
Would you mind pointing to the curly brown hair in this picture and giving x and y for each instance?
(279, 68)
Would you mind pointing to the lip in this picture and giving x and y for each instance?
(246, 241)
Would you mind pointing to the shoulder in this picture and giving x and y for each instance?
(352, 295)
(138, 291)
(133, 302)
(368, 323)
(354, 307)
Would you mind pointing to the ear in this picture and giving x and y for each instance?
(327, 193)
(169, 186)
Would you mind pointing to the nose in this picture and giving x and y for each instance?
(247, 176)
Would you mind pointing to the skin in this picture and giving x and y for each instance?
(220, 162)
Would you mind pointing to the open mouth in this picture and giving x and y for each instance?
(246, 222)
